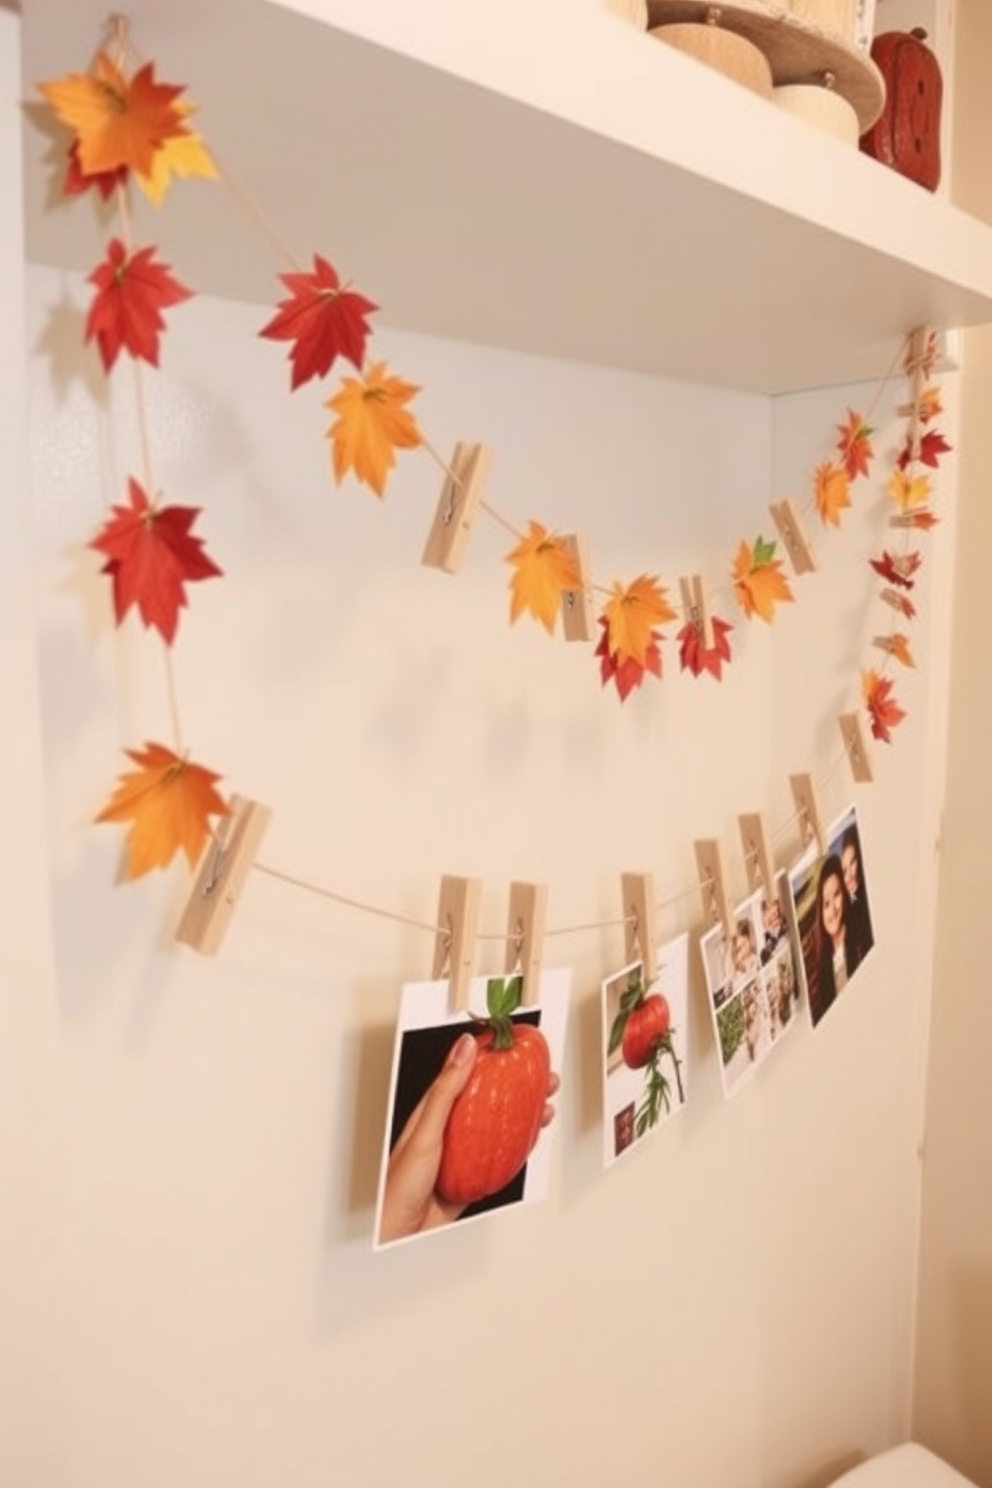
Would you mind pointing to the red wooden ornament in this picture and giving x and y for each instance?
(907, 135)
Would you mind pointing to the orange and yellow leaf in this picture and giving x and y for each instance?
(631, 613)
(168, 802)
(181, 155)
(908, 490)
(854, 445)
(543, 570)
(930, 405)
(372, 423)
(760, 582)
(832, 491)
(119, 122)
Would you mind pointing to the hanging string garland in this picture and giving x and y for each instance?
(128, 128)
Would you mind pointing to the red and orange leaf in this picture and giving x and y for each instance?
(908, 490)
(372, 423)
(897, 645)
(854, 445)
(759, 580)
(168, 802)
(625, 672)
(75, 183)
(696, 658)
(322, 320)
(932, 446)
(180, 155)
(897, 568)
(119, 122)
(151, 556)
(132, 290)
(544, 570)
(831, 491)
(631, 613)
(900, 602)
(883, 710)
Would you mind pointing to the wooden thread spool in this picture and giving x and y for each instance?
(836, 17)
(821, 107)
(733, 55)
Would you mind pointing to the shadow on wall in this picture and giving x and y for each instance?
(835, 1468)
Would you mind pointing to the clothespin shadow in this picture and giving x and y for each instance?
(221, 876)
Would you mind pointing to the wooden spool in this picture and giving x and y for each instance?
(821, 107)
(733, 55)
(835, 17)
(635, 12)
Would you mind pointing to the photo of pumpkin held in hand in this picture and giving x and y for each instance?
(471, 1103)
(645, 1072)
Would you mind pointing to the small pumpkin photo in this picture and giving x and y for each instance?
(472, 1106)
(645, 1073)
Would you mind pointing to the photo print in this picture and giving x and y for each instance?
(471, 1117)
(645, 1071)
(753, 983)
(830, 907)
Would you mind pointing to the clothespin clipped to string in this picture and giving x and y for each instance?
(637, 893)
(221, 876)
(578, 619)
(894, 598)
(459, 902)
(457, 507)
(713, 884)
(758, 864)
(807, 810)
(696, 609)
(856, 747)
(525, 937)
(790, 530)
(917, 363)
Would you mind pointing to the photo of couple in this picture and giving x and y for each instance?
(830, 902)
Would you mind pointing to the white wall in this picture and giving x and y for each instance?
(744, 1283)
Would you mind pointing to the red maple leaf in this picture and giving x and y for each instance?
(625, 671)
(150, 556)
(883, 710)
(854, 445)
(697, 658)
(132, 291)
(322, 320)
(897, 569)
(77, 181)
(932, 446)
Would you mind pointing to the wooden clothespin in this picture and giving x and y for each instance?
(696, 609)
(637, 890)
(911, 519)
(807, 810)
(896, 600)
(458, 507)
(918, 363)
(458, 908)
(856, 746)
(221, 876)
(578, 617)
(525, 937)
(890, 645)
(758, 863)
(712, 883)
(790, 530)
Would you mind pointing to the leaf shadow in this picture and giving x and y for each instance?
(62, 343)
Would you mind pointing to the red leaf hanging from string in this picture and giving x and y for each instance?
(854, 445)
(897, 568)
(884, 711)
(150, 557)
(132, 291)
(697, 658)
(322, 320)
(77, 181)
(932, 446)
(623, 670)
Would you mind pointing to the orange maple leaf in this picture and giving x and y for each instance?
(908, 490)
(372, 423)
(924, 518)
(759, 580)
(168, 802)
(630, 614)
(854, 445)
(832, 491)
(897, 645)
(929, 404)
(182, 154)
(544, 570)
(117, 121)
(884, 711)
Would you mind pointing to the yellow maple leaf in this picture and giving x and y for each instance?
(631, 613)
(372, 423)
(118, 121)
(168, 802)
(544, 570)
(759, 580)
(832, 491)
(929, 404)
(179, 155)
(908, 491)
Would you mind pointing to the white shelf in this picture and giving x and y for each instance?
(532, 174)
